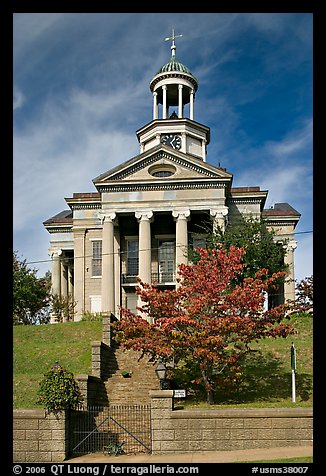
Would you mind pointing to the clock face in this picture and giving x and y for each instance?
(173, 140)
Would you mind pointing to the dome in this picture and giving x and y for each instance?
(174, 65)
(174, 69)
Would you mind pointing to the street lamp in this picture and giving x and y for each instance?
(161, 374)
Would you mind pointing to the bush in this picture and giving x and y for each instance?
(92, 316)
(59, 390)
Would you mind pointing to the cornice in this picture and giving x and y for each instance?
(246, 200)
(139, 187)
(58, 229)
(85, 206)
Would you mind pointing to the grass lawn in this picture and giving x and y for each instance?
(36, 348)
(267, 372)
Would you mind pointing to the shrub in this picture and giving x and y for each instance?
(92, 316)
(59, 390)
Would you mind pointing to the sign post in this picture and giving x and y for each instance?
(293, 368)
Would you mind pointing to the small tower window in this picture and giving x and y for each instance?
(162, 171)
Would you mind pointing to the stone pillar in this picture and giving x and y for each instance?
(180, 105)
(145, 253)
(219, 217)
(192, 96)
(79, 272)
(161, 409)
(181, 217)
(64, 279)
(164, 88)
(56, 272)
(289, 284)
(70, 280)
(155, 106)
(108, 291)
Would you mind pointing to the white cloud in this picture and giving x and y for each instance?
(62, 152)
(18, 99)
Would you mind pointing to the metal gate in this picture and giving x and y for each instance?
(112, 430)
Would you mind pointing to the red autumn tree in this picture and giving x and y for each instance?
(209, 321)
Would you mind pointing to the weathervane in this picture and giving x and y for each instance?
(172, 38)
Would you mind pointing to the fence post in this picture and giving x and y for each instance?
(161, 408)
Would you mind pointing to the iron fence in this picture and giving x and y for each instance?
(125, 428)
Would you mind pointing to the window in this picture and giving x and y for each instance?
(132, 257)
(199, 242)
(163, 173)
(159, 170)
(96, 258)
(166, 261)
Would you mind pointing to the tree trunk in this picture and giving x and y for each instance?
(210, 397)
(208, 387)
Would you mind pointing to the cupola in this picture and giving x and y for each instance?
(173, 85)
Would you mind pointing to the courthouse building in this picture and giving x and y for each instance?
(146, 212)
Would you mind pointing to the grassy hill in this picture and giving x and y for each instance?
(267, 372)
(36, 348)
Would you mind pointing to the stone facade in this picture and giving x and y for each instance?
(147, 211)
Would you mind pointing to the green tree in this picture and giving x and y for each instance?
(262, 249)
(31, 295)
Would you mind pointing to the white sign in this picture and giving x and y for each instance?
(179, 393)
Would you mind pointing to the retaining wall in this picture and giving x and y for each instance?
(175, 431)
(39, 438)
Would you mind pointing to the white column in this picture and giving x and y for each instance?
(56, 272)
(108, 291)
(289, 284)
(56, 277)
(181, 234)
(79, 272)
(64, 279)
(155, 105)
(203, 149)
(70, 281)
(164, 88)
(180, 106)
(192, 95)
(144, 219)
(219, 217)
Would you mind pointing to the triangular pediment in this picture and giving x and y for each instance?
(148, 167)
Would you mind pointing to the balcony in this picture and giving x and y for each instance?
(166, 279)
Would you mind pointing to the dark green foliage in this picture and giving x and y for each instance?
(262, 249)
(59, 390)
(31, 295)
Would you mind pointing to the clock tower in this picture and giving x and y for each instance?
(174, 86)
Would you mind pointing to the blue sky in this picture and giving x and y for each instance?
(81, 90)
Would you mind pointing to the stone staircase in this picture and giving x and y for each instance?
(134, 389)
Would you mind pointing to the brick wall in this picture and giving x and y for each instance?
(39, 438)
(226, 429)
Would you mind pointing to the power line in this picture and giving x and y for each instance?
(145, 249)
